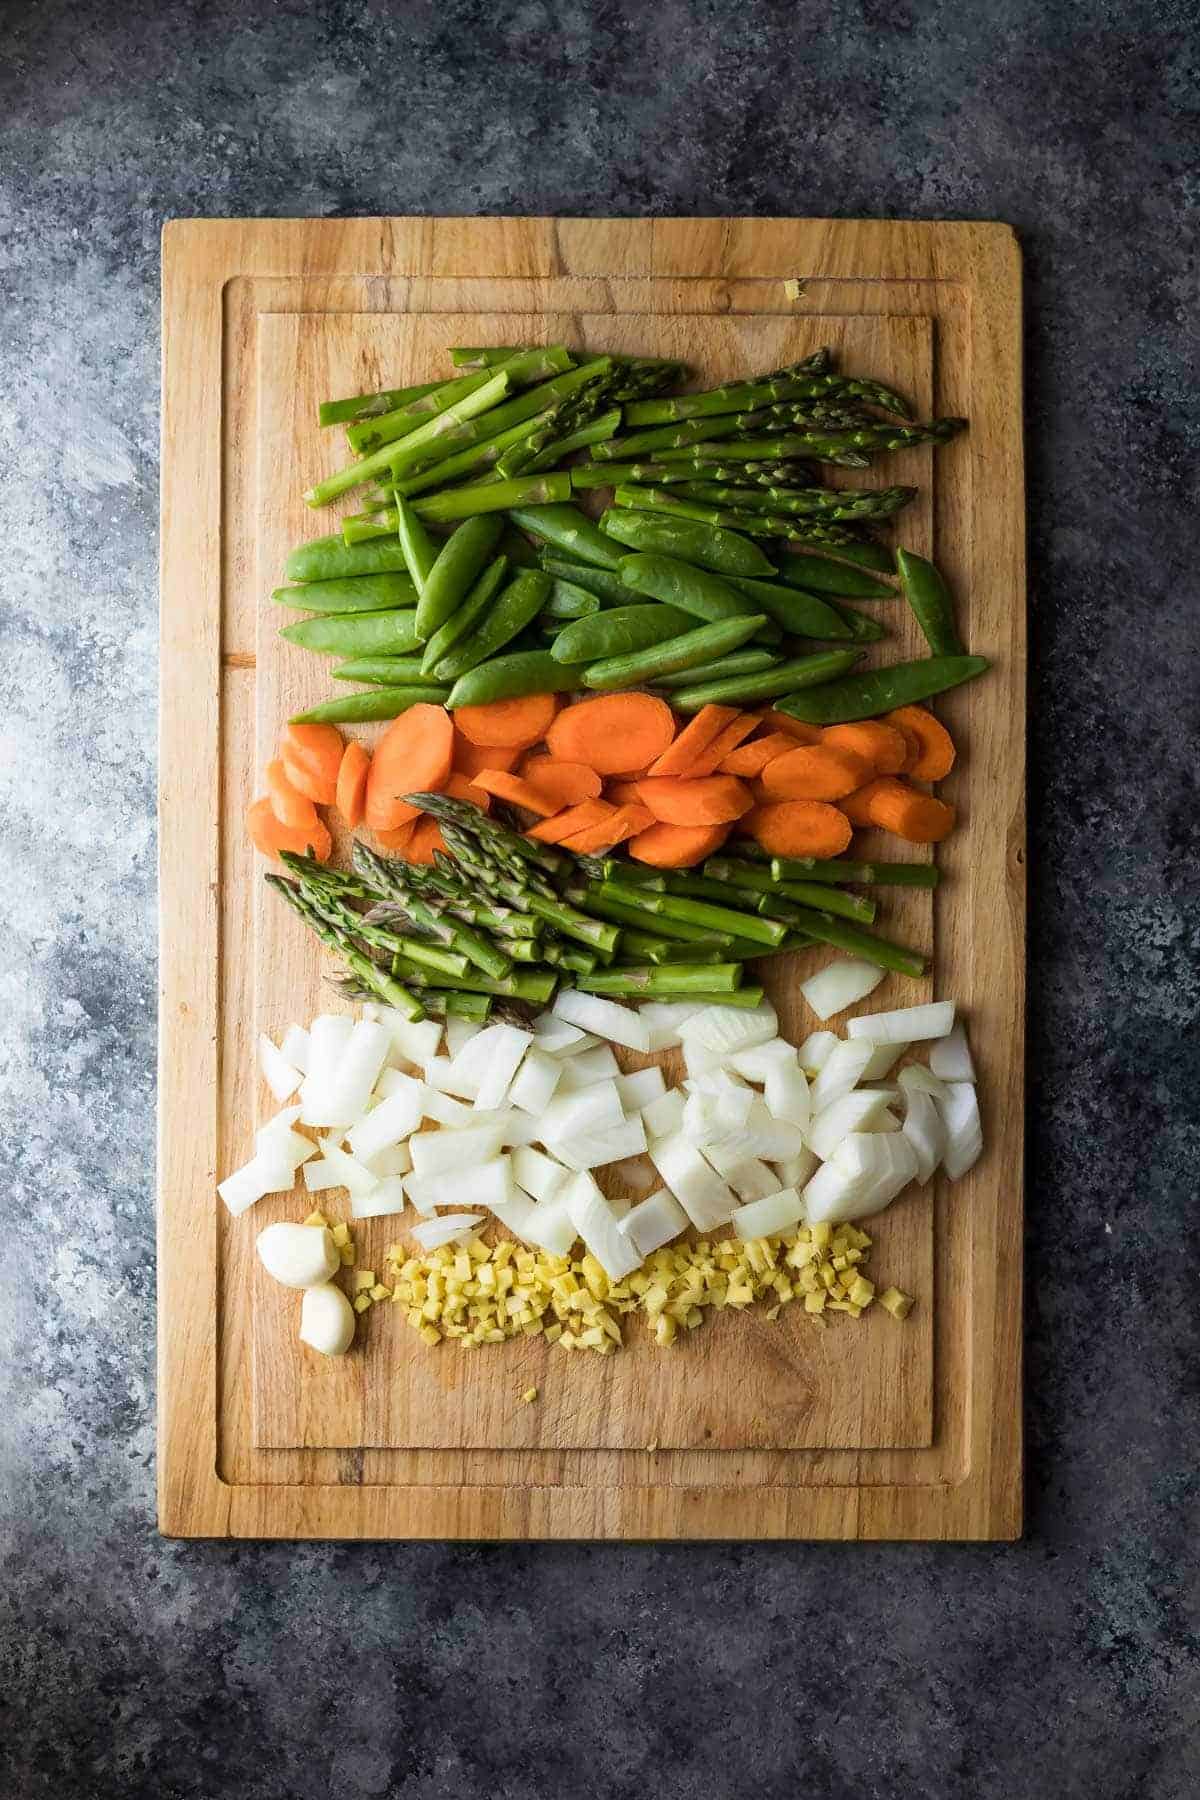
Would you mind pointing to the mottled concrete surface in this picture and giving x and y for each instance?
(1066, 1665)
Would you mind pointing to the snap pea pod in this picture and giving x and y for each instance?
(381, 671)
(413, 445)
(739, 662)
(677, 583)
(521, 601)
(804, 615)
(495, 496)
(370, 406)
(686, 652)
(420, 550)
(356, 634)
(568, 529)
(522, 368)
(569, 601)
(365, 527)
(361, 593)
(606, 584)
(619, 632)
(862, 627)
(870, 556)
(785, 678)
(709, 546)
(511, 677)
(881, 874)
(330, 559)
(372, 703)
(877, 691)
(463, 617)
(926, 591)
(825, 575)
(459, 564)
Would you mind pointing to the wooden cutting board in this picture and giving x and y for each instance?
(747, 1429)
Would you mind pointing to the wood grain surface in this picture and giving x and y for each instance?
(868, 1430)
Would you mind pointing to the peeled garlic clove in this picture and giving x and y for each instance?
(300, 1256)
(327, 1320)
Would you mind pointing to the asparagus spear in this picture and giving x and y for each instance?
(410, 450)
(440, 428)
(427, 912)
(828, 503)
(742, 396)
(809, 531)
(379, 983)
(522, 368)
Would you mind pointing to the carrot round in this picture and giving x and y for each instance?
(397, 839)
(509, 724)
(426, 837)
(857, 806)
(614, 733)
(624, 793)
(705, 800)
(801, 828)
(935, 746)
(676, 846)
(412, 757)
(726, 741)
(626, 822)
(565, 783)
(904, 811)
(271, 835)
(815, 772)
(312, 756)
(289, 805)
(793, 728)
(751, 759)
(515, 791)
(469, 758)
(459, 788)
(573, 819)
(879, 744)
(352, 783)
(699, 732)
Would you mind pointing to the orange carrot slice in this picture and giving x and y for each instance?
(704, 800)
(469, 758)
(574, 818)
(935, 746)
(565, 783)
(815, 772)
(676, 846)
(312, 756)
(693, 740)
(516, 792)
(397, 839)
(916, 817)
(626, 822)
(857, 806)
(751, 759)
(459, 788)
(879, 744)
(270, 835)
(793, 728)
(723, 744)
(412, 757)
(801, 828)
(289, 805)
(426, 837)
(352, 783)
(511, 724)
(614, 733)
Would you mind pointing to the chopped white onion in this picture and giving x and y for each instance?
(327, 1320)
(664, 1017)
(281, 1076)
(443, 1109)
(842, 1070)
(620, 1024)
(538, 1174)
(550, 1227)
(964, 1130)
(294, 1048)
(328, 1037)
(387, 1196)
(664, 1117)
(597, 1064)
(354, 1176)
(535, 1081)
(357, 1072)
(394, 1160)
(814, 1052)
(505, 1052)
(444, 1152)
(756, 1062)
(392, 1120)
(917, 1076)
(840, 984)
(594, 1221)
(950, 1057)
(924, 1130)
(786, 1094)
(712, 1036)
(411, 1041)
(431, 1233)
(705, 1198)
(882, 1062)
(263, 1174)
(639, 1090)
(908, 1025)
(590, 1109)
(606, 1144)
(833, 1195)
(769, 1216)
(796, 1171)
(444, 1077)
(653, 1223)
(768, 1138)
(709, 1118)
(487, 1184)
(885, 1164)
(855, 1111)
(320, 1174)
(636, 1173)
(556, 1037)
(458, 1033)
(749, 1178)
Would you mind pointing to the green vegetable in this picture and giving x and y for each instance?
(844, 935)
(869, 556)
(651, 503)
(688, 651)
(742, 396)
(568, 601)
(495, 496)
(877, 691)
(521, 368)
(411, 451)
(723, 552)
(356, 634)
(862, 627)
(374, 703)
(683, 978)
(463, 617)
(509, 677)
(696, 912)
(926, 591)
(620, 631)
(459, 564)
(667, 437)
(676, 583)
(509, 613)
(884, 874)
(329, 559)
(784, 678)
(826, 576)
(381, 671)
(804, 615)
(420, 550)
(606, 584)
(568, 529)
(825, 503)
(362, 593)
(740, 662)
(411, 446)
(815, 446)
(484, 454)
(726, 872)
(371, 406)
(372, 978)
(597, 431)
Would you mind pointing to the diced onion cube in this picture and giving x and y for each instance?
(433, 1232)
(411, 1041)
(590, 1214)
(535, 1081)
(698, 1188)
(856, 1111)
(814, 1052)
(387, 1196)
(712, 1036)
(886, 1165)
(770, 1216)
(506, 1048)
(395, 1118)
(665, 1019)
(596, 1064)
(964, 1131)
(840, 984)
(950, 1057)
(907, 1026)
(654, 1222)
(281, 1076)
(924, 1130)
(444, 1152)
(620, 1024)
(593, 1149)
(638, 1090)
(842, 1070)
(538, 1174)
(295, 1048)
(664, 1117)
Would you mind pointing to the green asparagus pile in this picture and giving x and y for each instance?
(495, 926)
(469, 575)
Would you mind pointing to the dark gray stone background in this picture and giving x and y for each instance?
(1063, 1666)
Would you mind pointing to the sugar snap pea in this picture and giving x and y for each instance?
(459, 563)
(683, 652)
(381, 671)
(511, 677)
(621, 631)
(569, 601)
(738, 662)
(868, 556)
(677, 583)
(372, 703)
(568, 529)
(463, 618)
(876, 691)
(784, 678)
(356, 634)
(863, 627)
(420, 549)
(824, 575)
(931, 602)
(359, 593)
(330, 559)
(804, 615)
(710, 546)
(510, 612)
(606, 584)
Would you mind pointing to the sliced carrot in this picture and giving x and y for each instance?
(724, 744)
(425, 839)
(397, 839)
(614, 733)
(676, 846)
(626, 822)
(412, 757)
(751, 759)
(575, 818)
(516, 792)
(566, 783)
(352, 783)
(511, 724)
(801, 828)
(289, 805)
(469, 758)
(916, 817)
(793, 728)
(270, 835)
(459, 788)
(815, 772)
(693, 740)
(935, 746)
(624, 793)
(312, 756)
(705, 800)
(857, 806)
(879, 744)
